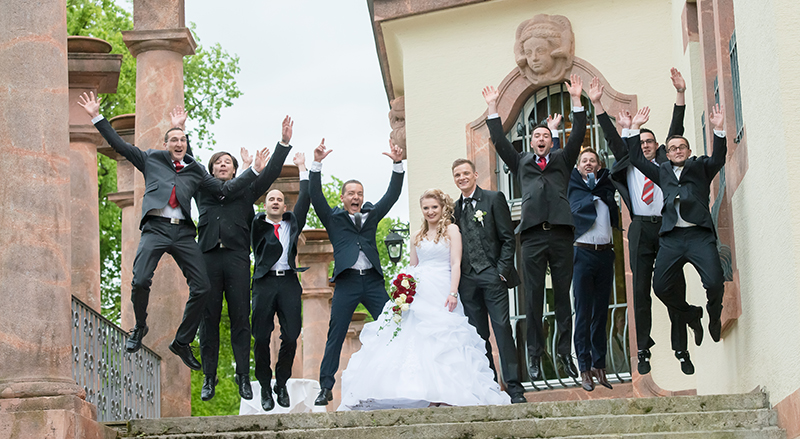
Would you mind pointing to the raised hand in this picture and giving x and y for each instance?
(490, 95)
(300, 161)
(553, 122)
(575, 87)
(261, 159)
(395, 152)
(321, 151)
(286, 130)
(717, 117)
(90, 103)
(641, 118)
(247, 159)
(178, 117)
(624, 119)
(595, 91)
(677, 80)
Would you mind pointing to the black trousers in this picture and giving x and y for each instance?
(229, 276)
(697, 246)
(276, 295)
(541, 248)
(643, 245)
(177, 240)
(351, 289)
(592, 282)
(485, 298)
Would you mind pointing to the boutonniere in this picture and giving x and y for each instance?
(479, 214)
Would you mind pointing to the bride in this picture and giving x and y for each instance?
(437, 357)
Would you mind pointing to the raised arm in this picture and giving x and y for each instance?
(638, 160)
(679, 110)
(303, 200)
(91, 104)
(318, 200)
(386, 202)
(504, 148)
(573, 147)
(455, 265)
(717, 159)
(618, 147)
(273, 169)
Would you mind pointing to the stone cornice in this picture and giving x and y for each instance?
(121, 199)
(175, 40)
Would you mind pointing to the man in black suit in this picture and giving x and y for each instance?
(546, 226)
(357, 267)
(276, 288)
(224, 238)
(595, 211)
(645, 201)
(487, 268)
(171, 178)
(687, 229)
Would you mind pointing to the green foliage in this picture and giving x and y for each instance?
(110, 238)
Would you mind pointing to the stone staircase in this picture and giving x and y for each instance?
(709, 417)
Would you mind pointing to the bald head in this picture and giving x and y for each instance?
(275, 205)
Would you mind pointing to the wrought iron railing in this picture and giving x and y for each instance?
(123, 386)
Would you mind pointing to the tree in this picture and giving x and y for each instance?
(209, 86)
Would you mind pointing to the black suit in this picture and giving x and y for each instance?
(352, 287)
(159, 235)
(546, 229)
(224, 238)
(679, 245)
(643, 240)
(483, 293)
(277, 292)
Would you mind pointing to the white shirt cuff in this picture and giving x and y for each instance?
(254, 171)
(398, 167)
(719, 133)
(97, 118)
(494, 116)
(553, 134)
(632, 133)
(303, 175)
(315, 166)
(577, 109)
(626, 132)
(283, 144)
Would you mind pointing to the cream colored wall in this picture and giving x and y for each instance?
(442, 60)
(763, 349)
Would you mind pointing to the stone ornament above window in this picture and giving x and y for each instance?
(397, 120)
(544, 49)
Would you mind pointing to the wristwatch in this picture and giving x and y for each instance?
(454, 295)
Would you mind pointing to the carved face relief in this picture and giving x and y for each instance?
(544, 49)
(397, 120)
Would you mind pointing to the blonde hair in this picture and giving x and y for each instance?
(446, 203)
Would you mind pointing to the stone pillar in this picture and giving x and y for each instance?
(159, 42)
(316, 253)
(91, 69)
(38, 395)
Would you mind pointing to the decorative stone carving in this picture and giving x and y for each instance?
(397, 120)
(544, 49)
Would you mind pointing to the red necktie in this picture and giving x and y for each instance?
(648, 191)
(277, 226)
(173, 199)
(542, 162)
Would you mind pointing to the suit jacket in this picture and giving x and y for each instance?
(160, 175)
(693, 187)
(267, 247)
(619, 172)
(346, 239)
(544, 192)
(581, 200)
(227, 219)
(497, 233)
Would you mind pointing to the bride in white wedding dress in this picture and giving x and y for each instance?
(437, 357)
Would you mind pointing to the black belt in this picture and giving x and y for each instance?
(280, 273)
(166, 220)
(359, 271)
(546, 226)
(655, 219)
(598, 247)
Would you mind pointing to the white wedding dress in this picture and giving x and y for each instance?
(437, 357)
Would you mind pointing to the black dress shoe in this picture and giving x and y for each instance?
(715, 329)
(186, 354)
(324, 396)
(643, 365)
(267, 403)
(587, 382)
(534, 369)
(600, 374)
(686, 364)
(282, 395)
(518, 398)
(134, 342)
(697, 326)
(243, 381)
(209, 383)
(569, 366)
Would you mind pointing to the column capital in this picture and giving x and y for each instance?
(85, 134)
(121, 199)
(176, 40)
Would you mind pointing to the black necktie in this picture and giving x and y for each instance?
(357, 217)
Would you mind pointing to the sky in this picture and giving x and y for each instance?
(314, 60)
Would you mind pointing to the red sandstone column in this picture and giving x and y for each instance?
(38, 396)
(159, 42)
(91, 69)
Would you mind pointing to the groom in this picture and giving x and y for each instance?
(487, 268)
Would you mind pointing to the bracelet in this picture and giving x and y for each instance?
(454, 295)
(680, 90)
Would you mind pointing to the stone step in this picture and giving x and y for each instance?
(587, 413)
(765, 433)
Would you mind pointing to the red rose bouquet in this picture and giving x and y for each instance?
(403, 289)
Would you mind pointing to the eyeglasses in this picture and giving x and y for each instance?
(677, 148)
(647, 142)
